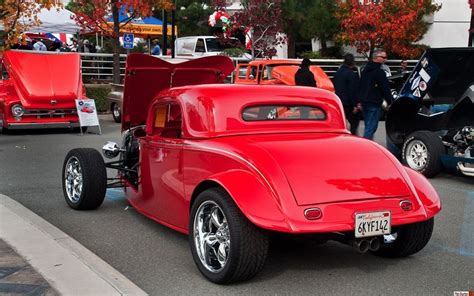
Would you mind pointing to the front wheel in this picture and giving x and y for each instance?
(422, 152)
(226, 247)
(84, 179)
(116, 112)
(406, 240)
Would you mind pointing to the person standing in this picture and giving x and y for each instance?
(39, 46)
(373, 89)
(346, 83)
(304, 77)
(156, 49)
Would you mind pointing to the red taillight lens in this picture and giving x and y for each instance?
(406, 205)
(313, 213)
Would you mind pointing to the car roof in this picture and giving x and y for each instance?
(215, 110)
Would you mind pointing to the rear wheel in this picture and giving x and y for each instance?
(84, 179)
(116, 112)
(422, 152)
(407, 240)
(226, 247)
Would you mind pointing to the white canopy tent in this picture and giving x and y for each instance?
(53, 21)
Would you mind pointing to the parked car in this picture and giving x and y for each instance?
(38, 90)
(115, 99)
(431, 124)
(230, 164)
(199, 46)
(278, 72)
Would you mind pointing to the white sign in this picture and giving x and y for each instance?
(87, 112)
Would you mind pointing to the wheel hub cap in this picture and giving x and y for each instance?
(73, 179)
(211, 236)
(417, 155)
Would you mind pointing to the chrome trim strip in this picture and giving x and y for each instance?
(42, 125)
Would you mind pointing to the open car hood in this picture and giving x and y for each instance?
(146, 76)
(286, 75)
(44, 79)
(437, 95)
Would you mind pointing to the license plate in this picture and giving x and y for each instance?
(372, 224)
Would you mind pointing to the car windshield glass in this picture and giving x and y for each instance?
(213, 45)
(283, 112)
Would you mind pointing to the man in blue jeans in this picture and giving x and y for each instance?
(373, 89)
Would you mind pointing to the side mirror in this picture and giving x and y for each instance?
(110, 150)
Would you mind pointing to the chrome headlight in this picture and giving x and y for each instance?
(17, 110)
(111, 150)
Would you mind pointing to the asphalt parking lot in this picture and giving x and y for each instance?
(158, 259)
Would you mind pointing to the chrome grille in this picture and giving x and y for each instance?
(49, 113)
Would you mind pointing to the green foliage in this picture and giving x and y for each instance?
(233, 52)
(192, 18)
(310, 55)
(99, 95)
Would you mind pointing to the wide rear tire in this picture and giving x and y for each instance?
(422, 152)
(226, 247)
(84, 179)
(409, 239)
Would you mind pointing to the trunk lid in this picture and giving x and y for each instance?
(325, 168)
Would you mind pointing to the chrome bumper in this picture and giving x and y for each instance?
(42, 125)
(466, 168)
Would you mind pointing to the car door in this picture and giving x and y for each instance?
(161, 171)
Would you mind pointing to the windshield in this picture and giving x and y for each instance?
(213, 45)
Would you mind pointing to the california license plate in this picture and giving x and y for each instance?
(372, 223)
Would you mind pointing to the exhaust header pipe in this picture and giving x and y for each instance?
(364, 245)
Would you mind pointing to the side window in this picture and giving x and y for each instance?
(200, 46)
(253, 72)
(242, 72)
(3, 71)
(167, 123)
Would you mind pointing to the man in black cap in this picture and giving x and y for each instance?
(304, 77)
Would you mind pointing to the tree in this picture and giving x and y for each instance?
(91, 15)
(192, 18)
(261, 20)
(12, 11)
(390, 24)
(307, 19)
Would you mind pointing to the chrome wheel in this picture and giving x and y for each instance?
(211, 236)
(73, 179)
(417, 155)
(116, 111)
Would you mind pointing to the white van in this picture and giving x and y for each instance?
(198, 46)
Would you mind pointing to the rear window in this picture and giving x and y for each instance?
(283, 112)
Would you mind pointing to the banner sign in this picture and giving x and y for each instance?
(87, 112)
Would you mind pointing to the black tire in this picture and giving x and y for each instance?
(116, 112)
(411, 238)
(434, 148)
(93, 177)
(248, 247)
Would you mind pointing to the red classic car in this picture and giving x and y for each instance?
(38, 90)
(231, 164)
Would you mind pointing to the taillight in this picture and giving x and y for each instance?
(406, 205)
(313, 213)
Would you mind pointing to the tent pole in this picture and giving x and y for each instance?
(172, 32)
(96, 38)
(164, 26)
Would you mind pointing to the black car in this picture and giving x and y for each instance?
(431, 123)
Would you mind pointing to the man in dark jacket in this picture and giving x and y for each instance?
(373, 89)
(346, 83)
(304, 77)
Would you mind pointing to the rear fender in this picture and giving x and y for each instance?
(255, 199)
(426, 193)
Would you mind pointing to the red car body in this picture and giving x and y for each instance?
(229, 164)
(45, 85)
(287, 166)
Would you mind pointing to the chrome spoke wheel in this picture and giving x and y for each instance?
(417, 155)
(73, 179)
(116, 110)
(211, 236)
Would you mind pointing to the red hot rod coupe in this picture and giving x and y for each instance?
(37, 90)
(230, 164)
